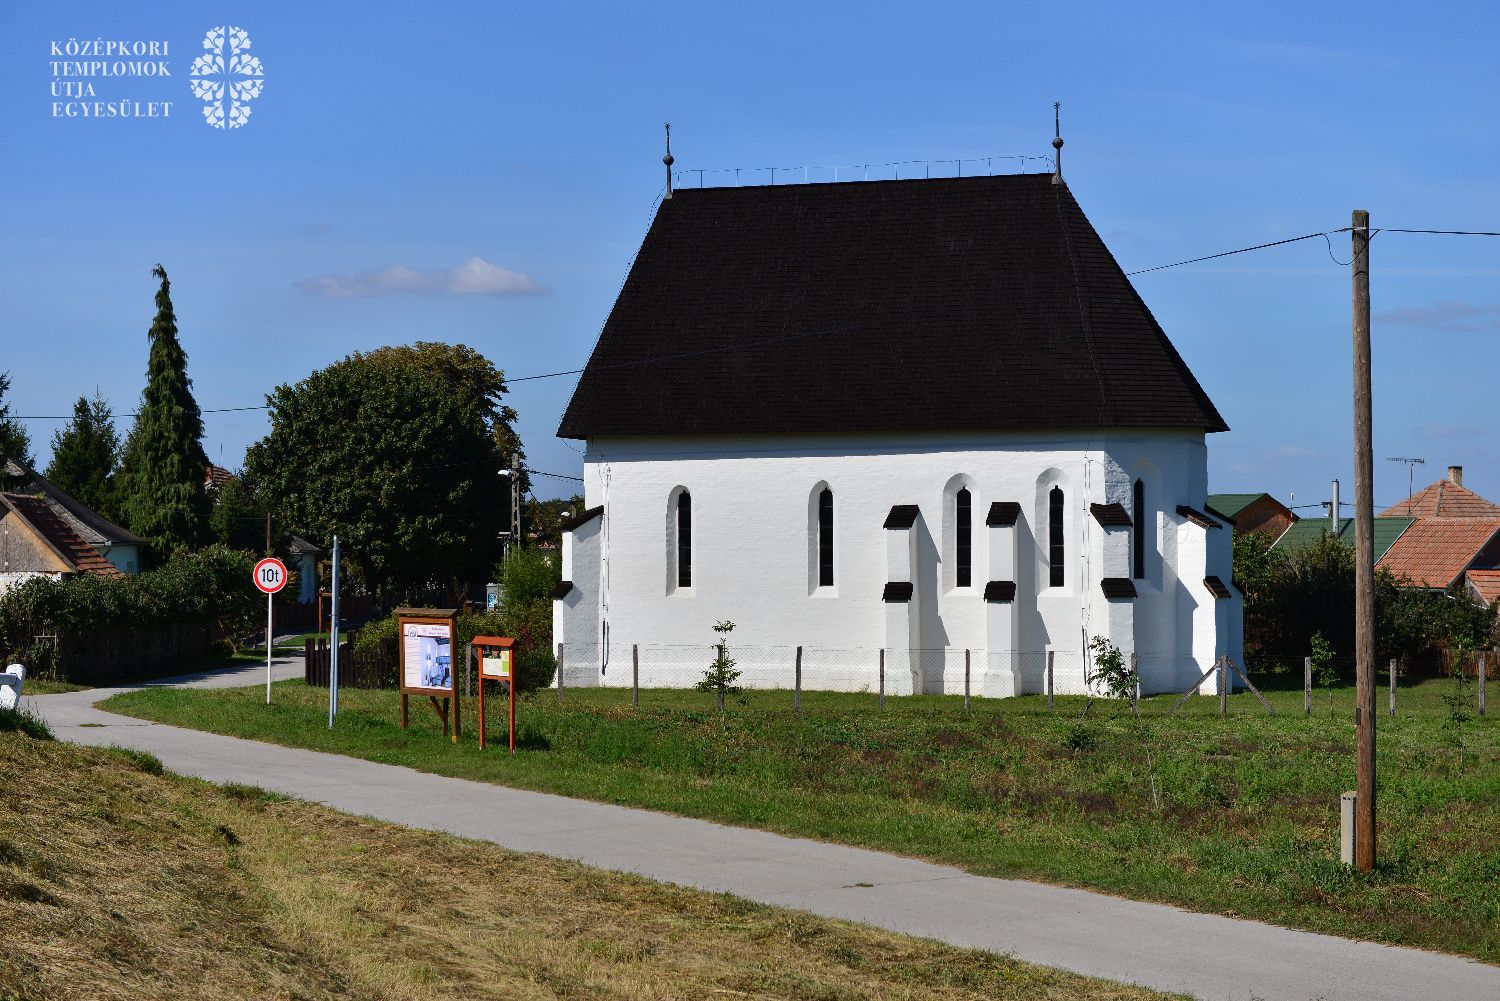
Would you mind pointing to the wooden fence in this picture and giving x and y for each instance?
(111, 656)
(362, 669)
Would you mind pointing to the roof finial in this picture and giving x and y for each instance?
(1057, 142)
(668, 159)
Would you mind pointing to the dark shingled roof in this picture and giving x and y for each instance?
(1003, 513)
(1110, 515)
(902, 516)
(897, 590)
(974, 303)
(1117, 587)
(1000, 590)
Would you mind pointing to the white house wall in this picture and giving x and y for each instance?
(754, 507)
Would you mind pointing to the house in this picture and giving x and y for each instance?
(1252, 513)
(35, 542)
(919, 423)
(1454, 539)
(120, 546)
(1309, 530)
(305, 564)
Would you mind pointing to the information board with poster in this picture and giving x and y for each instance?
(425, 641)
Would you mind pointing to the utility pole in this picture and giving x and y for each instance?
(1364, 554)
(515, 500)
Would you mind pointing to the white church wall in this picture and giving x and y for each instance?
(754, 556)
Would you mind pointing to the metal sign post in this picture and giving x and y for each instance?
(269, 576)
(333, 639)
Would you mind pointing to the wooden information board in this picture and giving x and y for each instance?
(425, 644)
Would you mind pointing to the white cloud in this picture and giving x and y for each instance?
(1444, 315)
(476, 276)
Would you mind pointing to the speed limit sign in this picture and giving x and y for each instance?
(269, 575)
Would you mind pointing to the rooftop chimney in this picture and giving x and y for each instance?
(1456, 475)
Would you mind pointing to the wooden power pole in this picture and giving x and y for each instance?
(1364, 555)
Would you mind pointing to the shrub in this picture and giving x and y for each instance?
(528, 575)
(530, 624)
(210, 587)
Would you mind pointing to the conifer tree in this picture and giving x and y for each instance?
(15, 443)
(162, 496)
(84, 452)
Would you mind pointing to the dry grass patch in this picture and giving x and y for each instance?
(117, 881)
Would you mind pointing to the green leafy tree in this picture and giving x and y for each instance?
(398, 452)
(528, 575)
(721, 675)
(238, 518)
(15, 443)
(84, 452)
(1324, 670)
(161, 476)
(544, 518)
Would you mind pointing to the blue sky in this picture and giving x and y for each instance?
(393, 143)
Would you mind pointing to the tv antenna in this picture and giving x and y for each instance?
(1411, 465)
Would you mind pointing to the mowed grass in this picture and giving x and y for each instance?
(118, 881)
(1244, 821)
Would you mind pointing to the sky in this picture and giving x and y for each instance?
(483, 173)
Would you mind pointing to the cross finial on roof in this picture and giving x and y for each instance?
(1057, 142)
(668, 159)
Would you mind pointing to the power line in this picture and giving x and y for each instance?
(795, 337)
(1241, 250)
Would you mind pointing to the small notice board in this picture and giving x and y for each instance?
(497, 663)
(425, 645)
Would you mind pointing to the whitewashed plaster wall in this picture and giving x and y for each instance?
(754, 508)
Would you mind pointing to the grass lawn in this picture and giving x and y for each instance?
(119, 882)
(1245, 820)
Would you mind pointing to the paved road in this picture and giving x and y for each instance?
(1162, 947)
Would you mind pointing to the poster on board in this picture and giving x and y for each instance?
(427, 655)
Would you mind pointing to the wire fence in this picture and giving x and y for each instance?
(1166, 683)
(892, 670)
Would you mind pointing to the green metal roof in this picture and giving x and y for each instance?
(1310, 530)
(1231, 505)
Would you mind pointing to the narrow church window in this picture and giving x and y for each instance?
(964, 525)
(825, 538)
(685, 539)
(1138, 516)
(1055, 536)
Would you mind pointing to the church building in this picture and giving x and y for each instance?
(927, 424)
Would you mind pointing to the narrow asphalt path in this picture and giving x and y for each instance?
(1158, 946)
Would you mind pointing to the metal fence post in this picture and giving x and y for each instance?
(797, 683)
(1051, 654)
(1135, 675)
(966, 680)
(1307, 686)
(559, 674)
(882, 677)
(1392, 698)
(635, 675)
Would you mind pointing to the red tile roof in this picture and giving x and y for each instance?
(1487, 583)
(1433, 552)
(1444, 499)
(82, 556)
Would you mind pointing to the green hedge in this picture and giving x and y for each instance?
(530, 625)
(209, 589)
